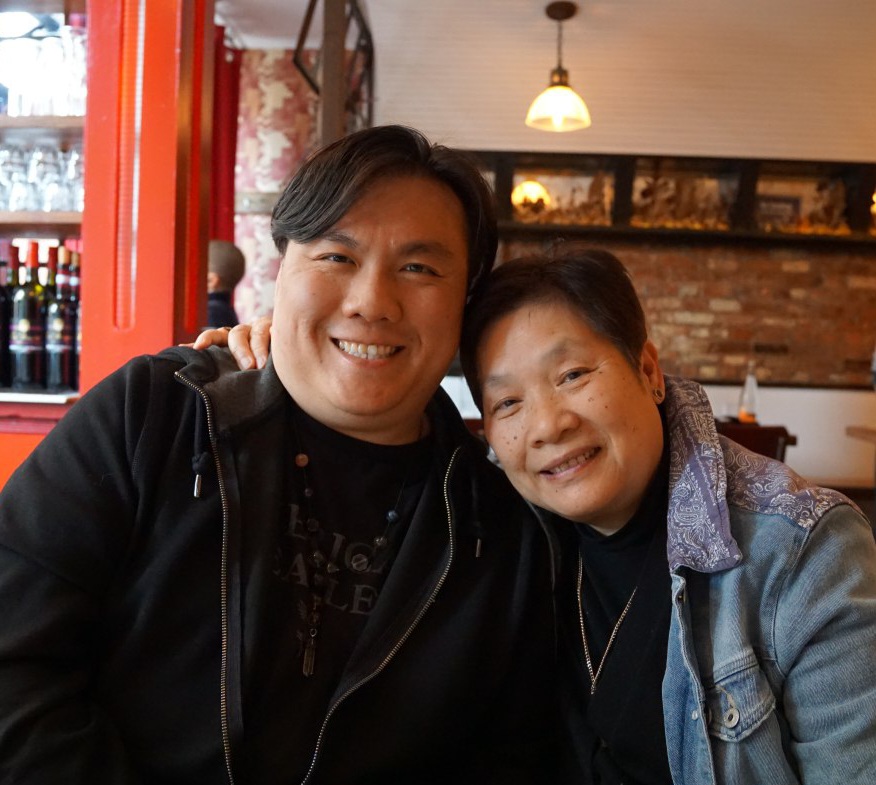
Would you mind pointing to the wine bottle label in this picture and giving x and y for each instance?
(25, 336)
(60, 334)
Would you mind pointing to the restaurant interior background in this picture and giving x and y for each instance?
(677, 84)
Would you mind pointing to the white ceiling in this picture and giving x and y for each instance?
(747, 78)
(267, 24)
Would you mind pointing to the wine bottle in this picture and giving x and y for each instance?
(61, 331)
(748, 396)
(13, 274)
(27, 328)
(873, 368)
(73, 271)
(51, 271)
(5, 313)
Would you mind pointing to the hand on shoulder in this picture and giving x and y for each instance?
(249, 343)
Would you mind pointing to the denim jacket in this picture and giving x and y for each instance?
(771, 663)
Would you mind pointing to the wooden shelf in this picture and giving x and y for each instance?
(33, 130)
(33, 412)
(39, 224)
(42, 122)
(745, 205)
(45, 6)
(52, 398)
(516, 229)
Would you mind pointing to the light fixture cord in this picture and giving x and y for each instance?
(560, 44)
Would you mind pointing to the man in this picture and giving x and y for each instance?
(303, 573)
(225, 267)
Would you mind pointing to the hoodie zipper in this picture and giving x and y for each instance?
(394, 650)
(223, 495)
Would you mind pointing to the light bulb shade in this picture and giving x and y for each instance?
(559, 108)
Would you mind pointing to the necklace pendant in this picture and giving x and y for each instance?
(309, 662)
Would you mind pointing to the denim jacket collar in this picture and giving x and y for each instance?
(698, 533)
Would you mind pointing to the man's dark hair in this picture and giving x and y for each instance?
(593, 283)
(330, 182)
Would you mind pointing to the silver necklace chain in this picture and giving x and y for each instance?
(594, 678)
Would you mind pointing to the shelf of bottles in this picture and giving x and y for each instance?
(676, 196)
(42, 198)
(40, 336)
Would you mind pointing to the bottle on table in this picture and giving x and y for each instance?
(27, 328)
(61, 330)
(748, 396)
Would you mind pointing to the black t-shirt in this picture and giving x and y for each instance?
(354, 484)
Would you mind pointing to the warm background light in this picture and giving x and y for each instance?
(530, 191)
(559, 108)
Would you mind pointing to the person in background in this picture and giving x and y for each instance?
(304, 573)
(718, 612)
(225, 268)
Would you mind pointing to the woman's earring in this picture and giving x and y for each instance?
(658, 395)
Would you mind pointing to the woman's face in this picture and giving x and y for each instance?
(575, 427)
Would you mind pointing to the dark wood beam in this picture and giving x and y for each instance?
(332, 103)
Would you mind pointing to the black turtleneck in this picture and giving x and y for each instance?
(619, 731)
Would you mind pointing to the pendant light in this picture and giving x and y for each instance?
(559, 108)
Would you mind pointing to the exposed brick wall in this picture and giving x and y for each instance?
(805, 314)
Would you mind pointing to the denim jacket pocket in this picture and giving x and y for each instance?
(736, 704)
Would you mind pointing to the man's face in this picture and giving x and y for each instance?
(367, 317)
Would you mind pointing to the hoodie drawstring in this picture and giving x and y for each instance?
(201, 459)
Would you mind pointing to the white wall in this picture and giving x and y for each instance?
(736, 78)
(818, 418)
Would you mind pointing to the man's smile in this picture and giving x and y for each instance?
(367, 351)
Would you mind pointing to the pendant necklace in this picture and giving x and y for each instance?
(594, 677)
(322, 568)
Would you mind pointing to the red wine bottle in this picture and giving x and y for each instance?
(6, 249)
(73, 283)
(13, 276)
(51, 271)
(61, 330)
(27, 328)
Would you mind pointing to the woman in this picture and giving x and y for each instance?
(718, 612)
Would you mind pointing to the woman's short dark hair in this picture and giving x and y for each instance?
(330, 182)
(593, 283)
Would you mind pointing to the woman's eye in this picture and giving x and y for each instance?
(504, 405)
(571, 376)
